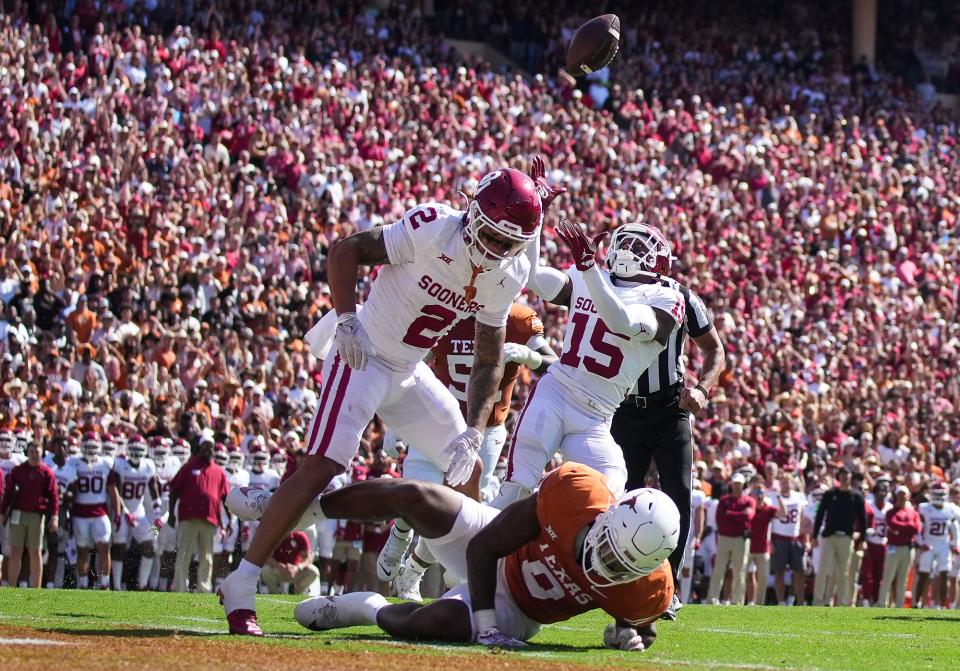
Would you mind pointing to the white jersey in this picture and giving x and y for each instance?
(420, 294)
(697, 500)
(879, 535)
(132, 482)
(939, 524)
(11, 462)
(239, 479)
(166, 469)
(599, 363)
(268, 480)
(91, 496)
(710, 519)
(65, 474)
(789, 524)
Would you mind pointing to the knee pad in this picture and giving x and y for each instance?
(509, 492)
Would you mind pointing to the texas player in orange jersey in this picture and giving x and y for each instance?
(564, 550)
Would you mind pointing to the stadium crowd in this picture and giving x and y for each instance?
(174, 174)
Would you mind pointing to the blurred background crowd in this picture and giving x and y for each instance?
(175, 172)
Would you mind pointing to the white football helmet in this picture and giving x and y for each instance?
(90, 447)
(638, 249)
(159, 450)
(631, 539)
(235, 462)
(938, 493)
(181, 450)
(259, 461)
(220, 456)
(7, 444)
(136, 450)
(278, 462)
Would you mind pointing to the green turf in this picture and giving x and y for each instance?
(704, 637)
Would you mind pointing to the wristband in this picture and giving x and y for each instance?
(485, 619)
(703, 390)
(346, 316)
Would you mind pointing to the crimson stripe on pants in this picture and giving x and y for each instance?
(337, 402)
(516, 431)
(320, 413)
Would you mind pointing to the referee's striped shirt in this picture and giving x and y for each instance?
(668, 368)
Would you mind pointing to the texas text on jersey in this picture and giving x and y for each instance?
(546, 577)
(421, 293)
(602, 364)
(453, 358)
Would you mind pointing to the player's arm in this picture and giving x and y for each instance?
(486, 374)
(643, 322)
(537, 354)
(550, 284)
(366, 248)
(625, 633)
(699, 522)
(508, 532)
(153, 486)
(113, 496)
(694, 399)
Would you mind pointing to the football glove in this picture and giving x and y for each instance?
(582, 248)
(352, 342)
(463, 451)
(521, 354)
(622, 638)
(538, 173)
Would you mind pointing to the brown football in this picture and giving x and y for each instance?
(594, 45)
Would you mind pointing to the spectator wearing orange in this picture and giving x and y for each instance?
(82, 321)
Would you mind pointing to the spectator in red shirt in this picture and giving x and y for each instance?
(903, 524)
(759, 543)
(201, 488)
(735, 512)
(31, 496)
(291, 563)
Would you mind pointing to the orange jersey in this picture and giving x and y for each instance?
(453, 358)
(545, 575)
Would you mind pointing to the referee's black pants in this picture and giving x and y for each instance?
(660, 433)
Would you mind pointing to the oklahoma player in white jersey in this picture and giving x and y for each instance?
(136, 476)
(941, 540)
(94, 486)
(167, 466)
(788, 544)
(617, 325)
(440, 265)
(65, 470)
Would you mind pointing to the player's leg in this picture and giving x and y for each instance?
(588, 441)
(101, 530)
(348, 402)
(425, 413)
(537, 435)
(494, 439)
(447, 620)
(924, 568)
(118, 552)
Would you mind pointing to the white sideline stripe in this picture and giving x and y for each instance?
(779, 634)
(31, 641)
(723, 665)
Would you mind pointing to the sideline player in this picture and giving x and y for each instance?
(568, 549)
(439, 265)
(10, 458)
(136, 475)
(940, 541)
(94, 486)
(615, 328)
(167, 467)
(452, 360)
(788, 544)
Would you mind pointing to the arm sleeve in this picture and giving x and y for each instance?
(546, 282)
(636, 320)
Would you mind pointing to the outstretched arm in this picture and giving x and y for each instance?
(486, 374)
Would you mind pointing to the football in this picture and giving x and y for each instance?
(594, 45)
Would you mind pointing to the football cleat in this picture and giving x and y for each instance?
(391, 556)
(243, 622)
(407, 583)
(670, 613)
(321, 613)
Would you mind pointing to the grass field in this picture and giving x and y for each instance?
(101, 630)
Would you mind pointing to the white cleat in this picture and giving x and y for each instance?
(322, 613)
(407, 583)
(391, 556)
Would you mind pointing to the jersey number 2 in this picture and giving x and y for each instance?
(598, 341)
(435, 319)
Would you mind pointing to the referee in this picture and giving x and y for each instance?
(653, 422)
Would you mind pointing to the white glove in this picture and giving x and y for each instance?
(352, 341)
(521, 354)
(622, 638)
(495, 638)
(463, 451)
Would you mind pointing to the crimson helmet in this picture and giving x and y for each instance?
(159, 449)
(939, 491)
(90, 447)
(278, 461)
(220, 456)
(136, 449)
(8, 443)
(235, 458)
(503, 217)
(638, 249)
